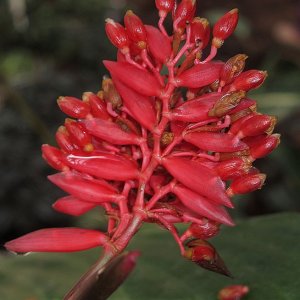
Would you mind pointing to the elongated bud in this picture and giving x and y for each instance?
(225, 27)
(248, 80)
(78, 135)
(227, 103)
(164, 6)
(97, 104)
(110, 93)
(82, 188)
(256, 125)
(159, 45)
(203, 231)
(57, 240)
(54, 157)
(104, 165)
(245, 105)
(184, 13)
(205, 255)
(246, 184)
(195, 110)
(202, 206)
(110, 132)
(117, 35)
(139, 80)
(198, 178)
(73, 107)
(215, 141)
(73, 206)
(200, 32)
(261, 146)
(233, 292)
(238, 124)
(199, 75)
(140, 107)
(64, 141)
(136, 29)
(232, 68)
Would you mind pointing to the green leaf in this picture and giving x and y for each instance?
(262, 253)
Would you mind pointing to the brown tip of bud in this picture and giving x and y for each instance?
(217, 42)
(234, 11)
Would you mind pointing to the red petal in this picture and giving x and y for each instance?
(57, 240)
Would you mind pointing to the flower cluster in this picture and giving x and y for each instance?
(169, 139)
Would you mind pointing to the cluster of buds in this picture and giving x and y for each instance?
(159, 146)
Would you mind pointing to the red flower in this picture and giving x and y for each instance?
(155, 146)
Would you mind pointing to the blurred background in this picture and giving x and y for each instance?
(55, 47)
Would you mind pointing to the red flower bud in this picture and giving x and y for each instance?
(72, 206)
(73, 107)
(233, 292)
(57, 240)
(246, 184)
(201, 205)
(243, 105)
(225, 27)
(136, 29)
(204, 231)
(200, 31)
(199, 75)
(64, 141)
(117, 35)
(184, 13)
(198, 178)
(159, 45)
(140, 80)
(205, 255)
(104, 165)
(84, 189)
(54, 157)
(97, 104)
(164, 5)
(215, 141)
(248, 80)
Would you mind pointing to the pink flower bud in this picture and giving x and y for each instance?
(262, 145)
(201, 205)
(195, 110)
(233, 292)
(225, 27)
(140, 107)
(246, 184)
(73, 107)
(97, 104)
(204, 231)
(159, 45)
(117, 35)
(78, 135)
(57, 240)
(54, 157)
(199, 75)
(136, 29)
(110, 132)
(205, 255)
(248, 80)
(165, 5)
(72, 206)
(198, 178)
(104, 165)
(215, 141)
(185, 12)
(140, 80)
(200, 31)
(82, 188)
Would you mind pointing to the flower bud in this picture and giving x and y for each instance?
(136, 29)
(97, 104)
(54, 157)
(248, 80)
(117, 35)
(245, 105)
(205, 255)
(246, 184)
(64, 141)
(73, 107)
(225, 27)
(203, 231)
(184, 13)
(200, 32)
(232, 68)
(233, 292)
(164, 6)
